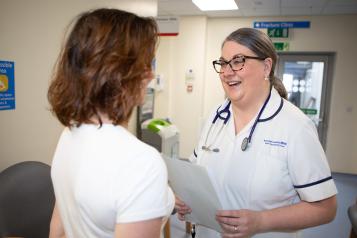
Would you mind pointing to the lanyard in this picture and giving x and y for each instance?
(193, 230)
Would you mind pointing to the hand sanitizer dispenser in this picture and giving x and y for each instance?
(162, 135)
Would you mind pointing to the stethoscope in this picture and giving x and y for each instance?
(225, 115)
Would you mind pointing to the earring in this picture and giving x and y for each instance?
(266, 78)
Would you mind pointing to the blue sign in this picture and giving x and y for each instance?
(7, 85)
(281, 24)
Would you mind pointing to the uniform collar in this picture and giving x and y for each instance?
(273, 106)
(272, 109)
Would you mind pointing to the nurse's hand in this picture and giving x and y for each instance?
(238, 223)
(181, 208)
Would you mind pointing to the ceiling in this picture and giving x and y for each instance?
(253, 8)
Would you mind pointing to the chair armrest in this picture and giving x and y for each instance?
(352, 214)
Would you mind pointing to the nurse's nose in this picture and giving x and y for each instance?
(228, 71)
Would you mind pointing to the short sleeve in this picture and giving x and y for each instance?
(146, 194)
(308, 165)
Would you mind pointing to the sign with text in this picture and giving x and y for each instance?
(309, 111)
(278, 32)
(279, 24)
(281, 46)
(7, 85)
(168, 26)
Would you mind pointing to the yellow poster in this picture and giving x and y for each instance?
(4, 83)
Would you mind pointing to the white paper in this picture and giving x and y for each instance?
(192, 184)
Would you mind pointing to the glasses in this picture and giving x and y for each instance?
(236, 63)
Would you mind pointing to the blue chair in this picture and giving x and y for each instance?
(352, 214)
(26, 200)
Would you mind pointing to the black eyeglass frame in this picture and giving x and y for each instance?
(243, 57)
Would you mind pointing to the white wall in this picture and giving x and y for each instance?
(31, 33)
(176, 55)
(327, 33)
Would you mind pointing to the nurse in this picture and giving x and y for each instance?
(262, 152)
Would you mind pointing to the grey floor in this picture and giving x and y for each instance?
(339, 228)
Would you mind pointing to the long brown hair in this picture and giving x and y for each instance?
(102, 66)
(262, 46)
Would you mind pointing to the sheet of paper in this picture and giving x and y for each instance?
(193, 185)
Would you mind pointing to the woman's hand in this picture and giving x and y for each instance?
(238, 223)
(245, 223)
(181, 208)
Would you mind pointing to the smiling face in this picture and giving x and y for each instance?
(247, 85)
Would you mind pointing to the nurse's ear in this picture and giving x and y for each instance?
(268, 62)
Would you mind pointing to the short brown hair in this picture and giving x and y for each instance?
(102, 67)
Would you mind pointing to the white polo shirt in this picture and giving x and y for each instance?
(105, 176)
(284, 162)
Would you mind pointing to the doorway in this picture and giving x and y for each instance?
(307, 78)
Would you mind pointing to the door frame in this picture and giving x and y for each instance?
(329, 59)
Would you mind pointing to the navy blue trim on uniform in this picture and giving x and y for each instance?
(276, 113)
(314, 183)
(194, 153)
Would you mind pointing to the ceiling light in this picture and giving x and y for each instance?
(215, 5)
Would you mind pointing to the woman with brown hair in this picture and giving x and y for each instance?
(107, 183)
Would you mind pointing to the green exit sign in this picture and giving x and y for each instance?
(278, 32)
(309, 111)
(281, 46)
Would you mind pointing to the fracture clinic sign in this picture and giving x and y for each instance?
(7, 85)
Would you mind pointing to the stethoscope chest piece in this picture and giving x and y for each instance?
(244, 145)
